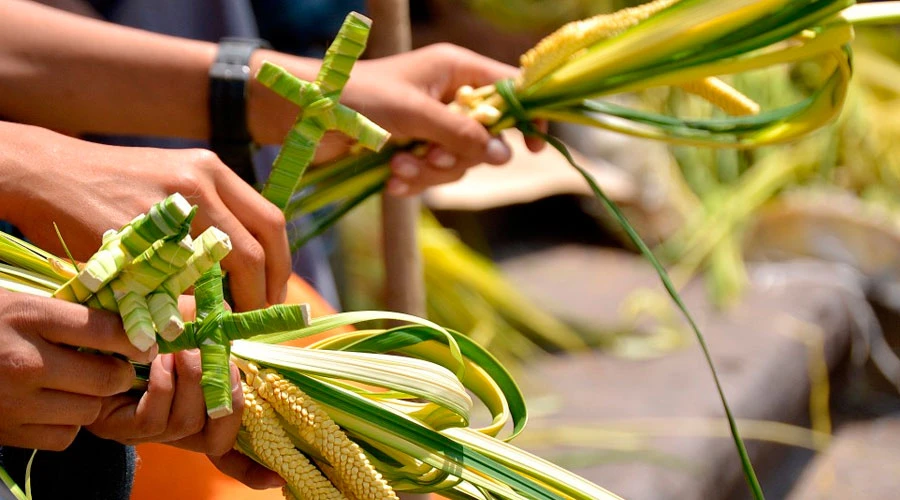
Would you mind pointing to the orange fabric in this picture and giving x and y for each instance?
(169, 473)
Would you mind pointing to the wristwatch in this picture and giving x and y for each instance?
(229, 137)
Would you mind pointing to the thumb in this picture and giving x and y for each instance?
(458, 135)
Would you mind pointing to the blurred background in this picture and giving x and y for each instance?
(788, 256)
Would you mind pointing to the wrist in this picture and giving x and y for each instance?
(229, 79)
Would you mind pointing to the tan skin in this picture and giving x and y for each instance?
(50, 390)
(141, 83)
(87, 188)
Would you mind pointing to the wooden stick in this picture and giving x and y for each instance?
(405, 284)
(402, 260)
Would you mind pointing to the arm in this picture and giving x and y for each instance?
(66, 72)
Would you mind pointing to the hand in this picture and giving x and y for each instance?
(88, 188)
(406, 94)
(47, 389)
(172, 411)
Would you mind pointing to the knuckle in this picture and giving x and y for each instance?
(24, 365)
(253, 256)
(273, 218)
(205, 159)
(20, 313)
(186, 181)
(446, 49)
(189, 367)
(91, 411)
(190, 424)
(113, 378)
(148, 427)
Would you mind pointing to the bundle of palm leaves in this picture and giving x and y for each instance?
(360, 414)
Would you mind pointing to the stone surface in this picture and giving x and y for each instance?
(755, 346)
(862, 462)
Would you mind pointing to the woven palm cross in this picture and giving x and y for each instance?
(320, 109)
(214, 329)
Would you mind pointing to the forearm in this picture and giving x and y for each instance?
(80, 75)
(21, 148)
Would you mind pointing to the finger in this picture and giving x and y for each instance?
(188, 414)
(407, 166)
(438, 158)
(245, 470)
(246, 263)
(62, 322)
(52, 407)
(86, 373)
(187, 306)
(44, 437)
(220, 434)
(416, 174)
(470, 68)
(458, 135)
(332, 146)
(266, 222)
(535, 144)
(126, 418)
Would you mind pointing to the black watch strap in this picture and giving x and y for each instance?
(229, 137)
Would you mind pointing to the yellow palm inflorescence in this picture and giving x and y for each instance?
(275, 449)
(344, 461)
(558, 47)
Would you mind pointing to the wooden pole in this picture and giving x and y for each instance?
(405, 284)
(403, 263)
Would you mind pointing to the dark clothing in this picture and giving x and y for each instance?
(91, 469)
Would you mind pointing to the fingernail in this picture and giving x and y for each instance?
(397, 187)
(406, 169)
(497, 151)
(442, 159)
(282, 296)
(168, 362)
